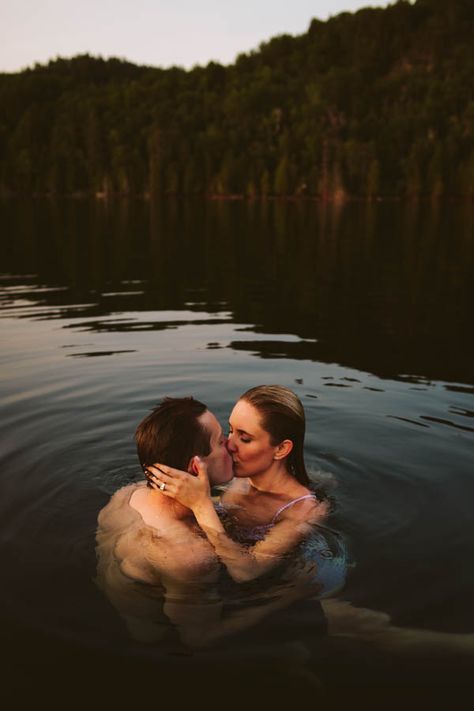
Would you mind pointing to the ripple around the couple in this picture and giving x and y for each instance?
(71, 388)
(117, 475)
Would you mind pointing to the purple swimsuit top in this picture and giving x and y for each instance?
(248, 535)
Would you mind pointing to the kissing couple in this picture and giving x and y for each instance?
(183, 569)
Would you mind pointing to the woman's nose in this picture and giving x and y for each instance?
(229, 444)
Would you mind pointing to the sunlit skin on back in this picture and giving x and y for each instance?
(179, 547)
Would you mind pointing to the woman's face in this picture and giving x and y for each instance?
(249, 445)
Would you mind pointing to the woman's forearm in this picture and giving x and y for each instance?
(240, 562)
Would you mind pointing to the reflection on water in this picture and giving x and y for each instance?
(364, 312)
(385, 288)
(374, 627)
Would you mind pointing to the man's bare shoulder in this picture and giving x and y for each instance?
(112, 514)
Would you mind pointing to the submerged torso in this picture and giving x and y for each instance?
(248, 523)
(152, 554)
(140, 566)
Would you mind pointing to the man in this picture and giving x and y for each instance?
(154, 564)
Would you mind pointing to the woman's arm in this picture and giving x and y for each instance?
(242, 563)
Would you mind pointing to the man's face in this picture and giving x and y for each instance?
(219, 461)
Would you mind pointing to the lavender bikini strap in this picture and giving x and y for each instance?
(290, 503)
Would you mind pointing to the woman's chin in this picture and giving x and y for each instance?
(237, 470)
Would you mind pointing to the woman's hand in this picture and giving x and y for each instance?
(190, 491)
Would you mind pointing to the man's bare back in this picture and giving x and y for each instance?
(156, 570)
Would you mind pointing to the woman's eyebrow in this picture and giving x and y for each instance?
(240, 431)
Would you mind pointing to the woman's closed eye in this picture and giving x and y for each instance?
(242, 436)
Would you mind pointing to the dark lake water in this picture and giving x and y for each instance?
(365, 311)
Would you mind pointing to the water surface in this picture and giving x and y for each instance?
(364, 311)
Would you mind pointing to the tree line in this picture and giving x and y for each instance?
(377, 103)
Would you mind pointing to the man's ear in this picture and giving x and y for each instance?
(192, 467)
(283, 449)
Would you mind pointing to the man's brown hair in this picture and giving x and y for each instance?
(172, 434)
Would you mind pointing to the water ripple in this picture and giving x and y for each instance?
(94, 354)
(447, 422)
(407, 419)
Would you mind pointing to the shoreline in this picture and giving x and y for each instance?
(335, 202)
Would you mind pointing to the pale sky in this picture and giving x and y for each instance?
(154, 32)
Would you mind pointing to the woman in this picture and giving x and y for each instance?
(269, 508)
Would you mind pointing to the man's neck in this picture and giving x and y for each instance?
(168, 506)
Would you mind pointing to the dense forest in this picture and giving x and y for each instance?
(377, 103)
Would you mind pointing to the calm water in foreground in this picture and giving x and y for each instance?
(363, 311)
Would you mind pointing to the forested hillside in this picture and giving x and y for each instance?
(378, 103)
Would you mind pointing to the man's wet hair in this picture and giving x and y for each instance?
(172, 433)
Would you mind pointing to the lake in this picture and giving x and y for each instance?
(365, 311)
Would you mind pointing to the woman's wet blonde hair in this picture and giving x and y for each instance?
(282, 416)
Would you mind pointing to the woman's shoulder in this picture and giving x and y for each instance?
(302, 505)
